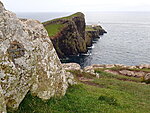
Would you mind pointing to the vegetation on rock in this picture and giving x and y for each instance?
(53, 29)
(28, 62)
(70, 35)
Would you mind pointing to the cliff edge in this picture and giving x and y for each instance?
(70, 35)
(69, 38)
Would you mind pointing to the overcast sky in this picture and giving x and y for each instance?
(76, 5)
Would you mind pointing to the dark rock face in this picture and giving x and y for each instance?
(93, 31)
(73, 38)
(70, 40)
(80, 24)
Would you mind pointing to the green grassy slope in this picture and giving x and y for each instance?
(53, 29)
(108, 94)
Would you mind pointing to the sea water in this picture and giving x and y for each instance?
(127, 40)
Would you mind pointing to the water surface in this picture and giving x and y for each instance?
(127, 41)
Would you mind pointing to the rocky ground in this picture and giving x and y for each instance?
(141, 71)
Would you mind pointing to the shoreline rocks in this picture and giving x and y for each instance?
(131, 71)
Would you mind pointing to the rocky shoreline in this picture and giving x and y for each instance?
(141, 71)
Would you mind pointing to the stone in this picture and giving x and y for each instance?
(109, 66)
(144, 66)
(71, 66)
(28, 62)
(2, 102)
(91, 70)
(126, 72)
(132, 67)
(139, 74)
(146, 78)
(112, 72)
(98, 65)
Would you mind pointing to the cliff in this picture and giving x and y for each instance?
(70, 36)
(91, 32)
(28, 62)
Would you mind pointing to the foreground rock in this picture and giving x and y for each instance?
(28, 62)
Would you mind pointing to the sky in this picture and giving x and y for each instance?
(76, 5)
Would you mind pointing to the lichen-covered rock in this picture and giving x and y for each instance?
(2, 102)
(144, 66)
(146, 78)
(71, 66)
(28, 61)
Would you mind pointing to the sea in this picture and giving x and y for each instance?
(127, 40)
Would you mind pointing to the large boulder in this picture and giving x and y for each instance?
(28, 62)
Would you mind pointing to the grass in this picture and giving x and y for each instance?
(119, 77)
(73, 15)
(67, 17)
(110, 95)
(120, 68)
(53, 29)
(89, 28)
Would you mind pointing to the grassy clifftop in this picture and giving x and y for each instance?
(109, 94)
(70, 35)
(78, 14)
(55, 26)
(53, 29)
(67, 34)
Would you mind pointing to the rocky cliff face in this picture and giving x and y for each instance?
(72, 38)
(68, 41)
(91, 32)
(28, 62)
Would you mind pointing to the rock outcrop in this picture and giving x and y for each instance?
(92, 32)
(71, 66)
(142, 71)
(72, 37)
(28, 62)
